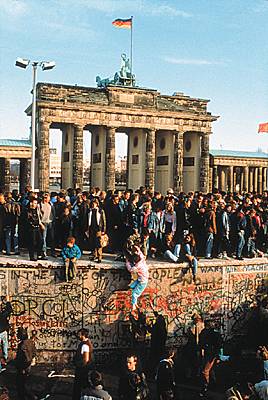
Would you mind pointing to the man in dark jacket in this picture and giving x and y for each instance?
(25, 353)
(5, 312)
(158, 340)
(34, 230)
(210, 342)
(132, 384)
(165, 380)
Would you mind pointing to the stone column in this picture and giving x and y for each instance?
(255, 188)
(235, 178)
(43, 157)
(2, 173)
(231, 179)
(178, 162)
(150, 159)
(260, 179)
(78, 157)
(215, 178)
(204, 163)
(110, 159)
(264, 181)
(24, 176)
(246, 173)
(222, 179)
(251, 172)
(7, 178)
(241, 179)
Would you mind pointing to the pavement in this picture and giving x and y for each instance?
(57, 384)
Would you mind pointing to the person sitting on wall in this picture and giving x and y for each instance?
(188, 253)
(171, 248)
(70, 254)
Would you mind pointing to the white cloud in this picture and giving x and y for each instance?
(65, 28)
(167, 11)
(13, 8)
(185, 61)
(260, 7)
(134, 6)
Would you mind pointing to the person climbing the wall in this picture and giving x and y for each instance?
(136, 265)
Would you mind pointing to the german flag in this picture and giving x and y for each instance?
(123, 23)
(263, 128)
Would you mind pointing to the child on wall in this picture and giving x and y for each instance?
(136, 265)
(70, 254)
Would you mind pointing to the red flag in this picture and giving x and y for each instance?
(263, 128)
(123, 23)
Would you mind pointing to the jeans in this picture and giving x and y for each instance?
(209, 244)
(11, 232)
(137, 289)
(251, 247)
(4, 345)
(70, 270)
(8, 236)
(193, 263)
(240, 243)
(175, 255)
(49, 230)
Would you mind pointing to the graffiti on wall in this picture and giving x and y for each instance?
(99, 299)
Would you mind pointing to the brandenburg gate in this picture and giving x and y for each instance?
(168, 136)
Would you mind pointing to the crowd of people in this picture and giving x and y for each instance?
(180, 227)
(149, 369)
(136, 226)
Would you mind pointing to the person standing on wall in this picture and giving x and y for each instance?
(34, 228)
(82, 361)
(5, 312)
(96, 228)
(47, 219)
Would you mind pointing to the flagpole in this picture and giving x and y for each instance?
(131, 48)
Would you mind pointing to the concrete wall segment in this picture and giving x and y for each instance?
(99, 299)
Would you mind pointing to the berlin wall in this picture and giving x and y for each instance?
(99, 299)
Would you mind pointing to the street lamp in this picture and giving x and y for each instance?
(46, 65)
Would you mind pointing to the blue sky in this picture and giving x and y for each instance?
(208, 49)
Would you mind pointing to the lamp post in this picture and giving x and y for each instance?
(46, 65)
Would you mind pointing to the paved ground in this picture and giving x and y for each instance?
(59, 385)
